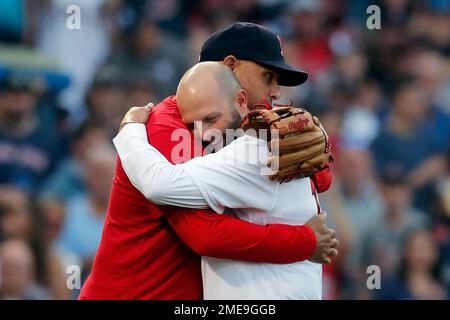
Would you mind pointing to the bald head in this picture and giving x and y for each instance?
(206, 83)
(209, 94)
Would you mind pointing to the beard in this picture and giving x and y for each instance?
(236, 120)
(234, 124)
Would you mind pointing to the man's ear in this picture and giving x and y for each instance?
(230, 61)
(241, 100)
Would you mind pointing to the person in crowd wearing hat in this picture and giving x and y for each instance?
(29, 146)
(143, 252)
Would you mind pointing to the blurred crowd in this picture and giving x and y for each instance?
(383, 95)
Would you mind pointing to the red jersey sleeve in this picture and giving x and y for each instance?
(223, 236)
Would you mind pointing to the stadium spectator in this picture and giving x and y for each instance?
(361, 205)
(65, 44)
(106, 97)
(418, 275)
(67, 180)
(85, 212)
(383, 241)
(17, 272)
(408, 144)
(16, 220)
(31, 139)
(160, 56)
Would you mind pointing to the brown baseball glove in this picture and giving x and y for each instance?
(297, 141)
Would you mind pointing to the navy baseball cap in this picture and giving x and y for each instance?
(249, 41)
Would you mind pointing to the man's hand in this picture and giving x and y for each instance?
(326, 240)
(137, 115)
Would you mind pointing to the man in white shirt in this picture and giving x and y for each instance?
(229, 179)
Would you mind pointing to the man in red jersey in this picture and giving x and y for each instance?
(153, 252)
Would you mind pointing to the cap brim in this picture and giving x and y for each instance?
(290, 76)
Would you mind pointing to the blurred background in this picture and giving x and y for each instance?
(383, 95)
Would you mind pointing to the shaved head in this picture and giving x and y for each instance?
(206, 81)
(210, 94)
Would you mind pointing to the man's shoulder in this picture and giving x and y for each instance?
(165, 127)
(166, 115)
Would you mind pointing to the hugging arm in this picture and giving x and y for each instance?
(214, 180)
